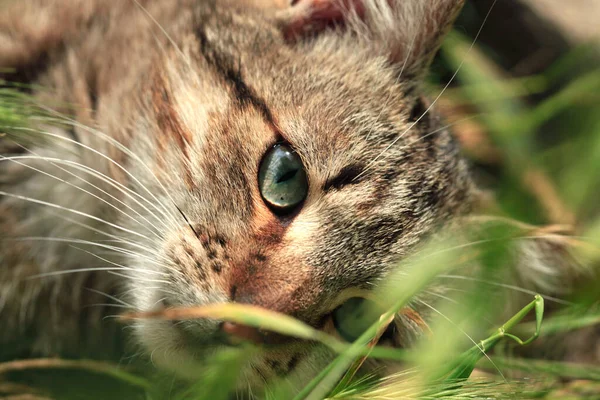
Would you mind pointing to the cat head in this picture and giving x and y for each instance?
(298, 163)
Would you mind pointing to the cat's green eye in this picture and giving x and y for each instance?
(281, 178)
(354, 317)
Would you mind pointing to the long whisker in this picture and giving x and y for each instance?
(127, 151)
(451, 300)
(71, 271)
(157, 302)
(114, 142)
(173, 270)
(124, 268)
(464, 333)
(2, 158)
(117, 239)
(107, 305)
(139, 279)
(159, 288)
(443, 128)
(101, 190)
(87, 242)
(506, 286)
(491, 283)
(441, 296)
(164, 31)
(111, 297)
(410, 48)
(46, 203)
(79, 270)
(84, 168)
(118, 145)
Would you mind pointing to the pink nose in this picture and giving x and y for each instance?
(244, 332)
(253, 335)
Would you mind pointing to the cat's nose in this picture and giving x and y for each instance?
(250, 334)
(273, 281)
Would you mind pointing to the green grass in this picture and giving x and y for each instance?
(13, 109)
(442, 365)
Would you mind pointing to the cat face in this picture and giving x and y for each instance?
(292, 172)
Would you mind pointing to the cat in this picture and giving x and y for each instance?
(204, 152)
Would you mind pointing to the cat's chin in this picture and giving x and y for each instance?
(193, 365)
(180, 362)
(171, 352)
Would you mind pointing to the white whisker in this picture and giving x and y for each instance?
(107, 179)
(111, 297)
(441, 296)
(72, 271)
(158, 301)
(506, 286)
(46, 203)
(118, 145)
(107, 305)
(158, 288)
(84, 168)
(438, 130)
(81, 241)
(134, 156)
(491, 283)
(164, 31)
(464, 333)
(2, 158)
(138, 278)
(135, 179)
(410, 48)
(116, 239)
(124, 268)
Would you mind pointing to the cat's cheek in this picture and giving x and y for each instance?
(194, 268)
(301, 235)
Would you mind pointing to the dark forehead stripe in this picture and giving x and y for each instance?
(225, 65)
(228, 67)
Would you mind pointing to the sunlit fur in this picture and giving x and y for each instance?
(179, 101)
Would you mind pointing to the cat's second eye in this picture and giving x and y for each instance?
(282, 179)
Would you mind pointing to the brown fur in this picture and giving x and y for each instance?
(196, 109)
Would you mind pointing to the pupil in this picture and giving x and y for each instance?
(287, 176)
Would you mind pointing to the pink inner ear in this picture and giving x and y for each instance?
(312, 16)
(389, 25)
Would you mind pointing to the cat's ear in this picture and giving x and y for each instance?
(408, 32)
